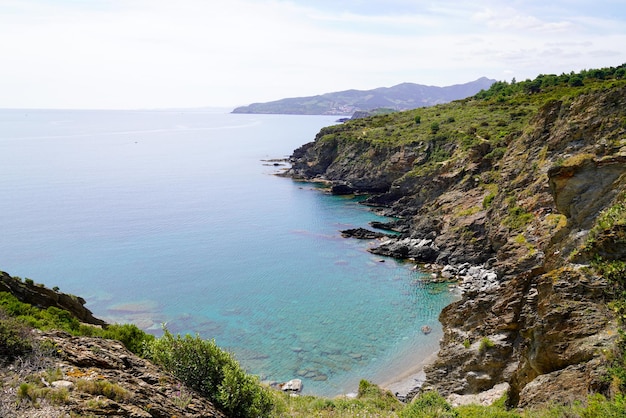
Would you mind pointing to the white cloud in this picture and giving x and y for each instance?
(157, 53)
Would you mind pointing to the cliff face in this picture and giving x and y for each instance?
(515, 188)
(42, 297)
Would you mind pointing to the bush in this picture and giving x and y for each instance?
(380, 399)
(430, 404)
(15, 339)
(485, 344)
(214, 373)
(130, 335)
(240, 395)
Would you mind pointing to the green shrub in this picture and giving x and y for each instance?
(488, 200)
(214, 373)
(15, 339)
(376, 397)
(130, 335)
(429, 404)
(496, 154)
(26, 391)
(240, 394)
(54, 318)
(485, 344)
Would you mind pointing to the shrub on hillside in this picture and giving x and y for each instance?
(214, 373)
(130, 335)
(15, 338)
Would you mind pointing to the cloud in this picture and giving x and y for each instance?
(158, 53)
(510, 19)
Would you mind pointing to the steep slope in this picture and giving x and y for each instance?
(53, 373)
(400, 97)
(512, 181)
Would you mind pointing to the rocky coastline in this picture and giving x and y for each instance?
(504, 218)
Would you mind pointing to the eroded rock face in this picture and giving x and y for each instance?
(582, 190)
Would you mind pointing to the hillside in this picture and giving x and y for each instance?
(400, 97)
(528, 182)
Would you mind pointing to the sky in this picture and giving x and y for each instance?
(130, 54)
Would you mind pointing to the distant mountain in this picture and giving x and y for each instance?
(401, 97)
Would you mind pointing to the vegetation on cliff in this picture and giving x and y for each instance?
(526, 179)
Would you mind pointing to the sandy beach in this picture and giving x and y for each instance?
(411, 378)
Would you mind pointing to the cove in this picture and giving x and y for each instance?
(173, 217)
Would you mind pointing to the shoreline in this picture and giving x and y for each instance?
(412, 378)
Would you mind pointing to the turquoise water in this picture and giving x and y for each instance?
(172, 217)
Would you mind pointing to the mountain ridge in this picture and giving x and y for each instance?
(403, 96)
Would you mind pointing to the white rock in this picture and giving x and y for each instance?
(62, 384)
(294, 385)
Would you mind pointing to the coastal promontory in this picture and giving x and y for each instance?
(525, 182)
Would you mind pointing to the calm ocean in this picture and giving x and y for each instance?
(172, 217)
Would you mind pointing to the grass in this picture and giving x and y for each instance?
(517, 217)
(105, 388)
(32, 393)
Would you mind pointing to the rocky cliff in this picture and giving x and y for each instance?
(514, 183)
(43, 297)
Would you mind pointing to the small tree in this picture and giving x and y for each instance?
(576, 81)
(418, 119)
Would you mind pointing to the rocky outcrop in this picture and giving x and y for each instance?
(42, 297)
(362, 233)
(535, 317)
(97, 377)
(586, 185)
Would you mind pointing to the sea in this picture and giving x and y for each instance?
(176, 218)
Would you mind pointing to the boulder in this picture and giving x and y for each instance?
(293, 385)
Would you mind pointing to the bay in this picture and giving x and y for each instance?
(173, 216)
